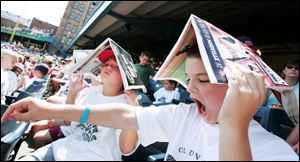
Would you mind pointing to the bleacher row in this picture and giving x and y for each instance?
(274, 120)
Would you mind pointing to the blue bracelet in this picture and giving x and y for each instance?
(84, 115)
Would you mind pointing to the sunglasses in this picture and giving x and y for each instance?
(291, 67)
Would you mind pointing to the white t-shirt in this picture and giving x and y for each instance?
(164, 96)
(89, 142)
(4, 85)
(13, 82)
(191, 138)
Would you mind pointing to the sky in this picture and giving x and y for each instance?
(48, 11)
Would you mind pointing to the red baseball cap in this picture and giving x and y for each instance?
(105, 55)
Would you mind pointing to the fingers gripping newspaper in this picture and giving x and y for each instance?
(89, 64)
(216, 47)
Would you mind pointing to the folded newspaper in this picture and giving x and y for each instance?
(88, 63)
(215, 47)
(79, 55)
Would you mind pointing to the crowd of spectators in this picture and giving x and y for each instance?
(35, 31)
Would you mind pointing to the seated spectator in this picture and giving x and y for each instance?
(16, 78)
(144, 68)
(62, 74)
(291, 76)
(40, 73)
(8, 61)
(167, 93)
(60, 96)
(49, 61)
(86, 140)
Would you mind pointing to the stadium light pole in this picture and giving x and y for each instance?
(16, 26)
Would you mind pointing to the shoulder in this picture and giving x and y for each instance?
(267, 146)
(181, 110)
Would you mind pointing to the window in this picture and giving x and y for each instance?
(76, 4)
(72, 15)
(68, 26)
(63, 39)
(82, 7)
(90, 11)
(78, 17)
(74, 28)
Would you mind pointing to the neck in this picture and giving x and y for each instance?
(291, 81)
(111, 91)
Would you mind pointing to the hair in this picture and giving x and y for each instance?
(10, 53)
(146, 53)
(21, 59)
(27, 58)
(172, 82)
(43, 68)
(15, 69)
(292, 62)
(193, 52)
(48, 61)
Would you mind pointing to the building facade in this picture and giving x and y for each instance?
(9, 20)
(42, 25)
(77, 13)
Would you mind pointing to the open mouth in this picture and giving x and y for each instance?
(201, 108)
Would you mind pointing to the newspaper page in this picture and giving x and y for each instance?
(130, 76)
(90, 65)
(215, 47)
(79, 55)
(174, 66)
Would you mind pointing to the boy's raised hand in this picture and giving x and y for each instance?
(76, 83)
(246, 92)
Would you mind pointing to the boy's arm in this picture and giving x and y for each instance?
(120, 116)
(128, 138)
(293, 138)
(246, 92)
(152, 71)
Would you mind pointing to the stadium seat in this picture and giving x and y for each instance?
(154, 85)
(144, 100)
(11, 132)
(277, 122)
(11, 99)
